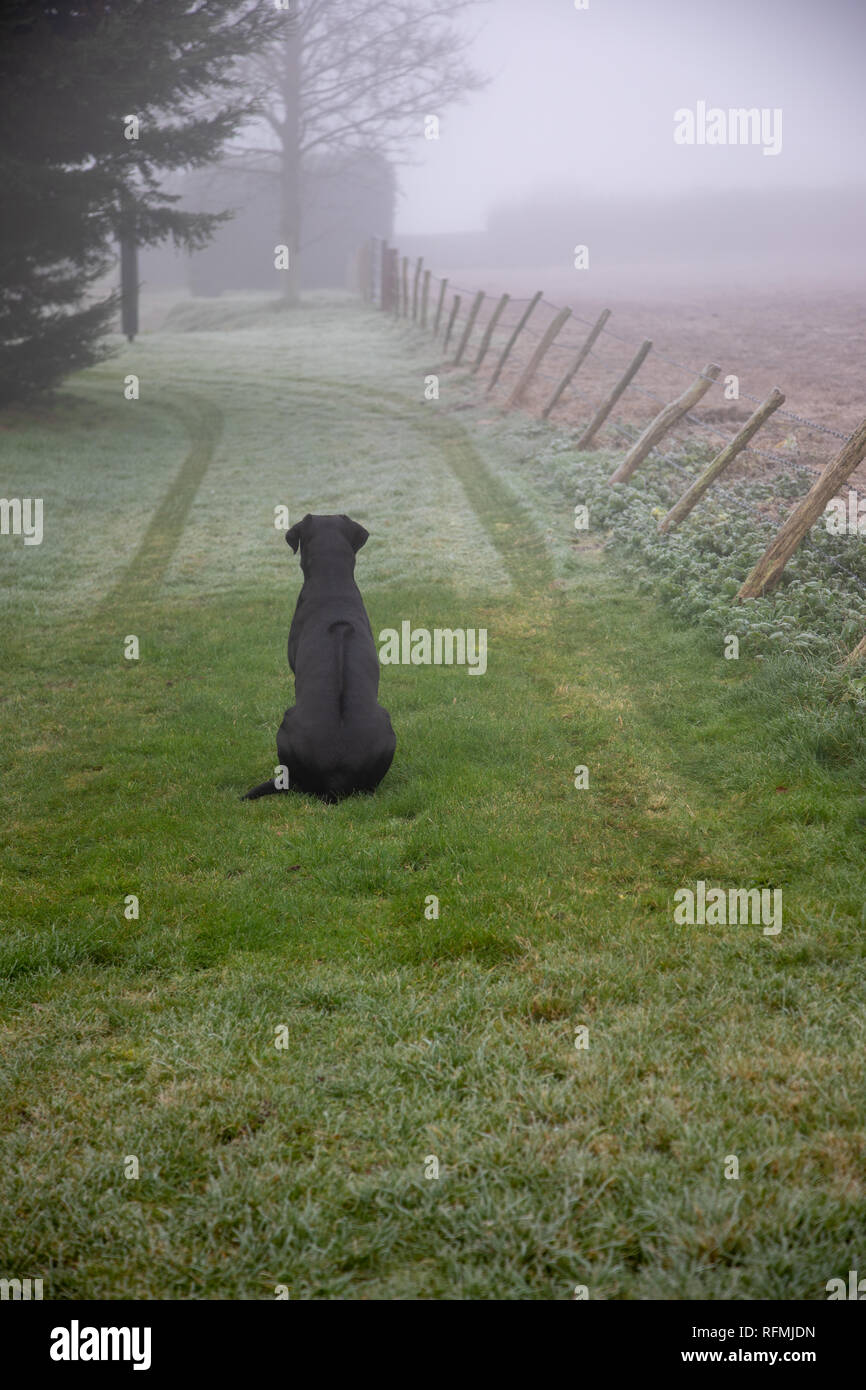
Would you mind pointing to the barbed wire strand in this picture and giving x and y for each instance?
(803, 420)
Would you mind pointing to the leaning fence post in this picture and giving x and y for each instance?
(518, 329)
(454, 311)
(857, 654)
(537, 357)
(664, 421)
(515, 334)
(405, 286)
(442, 288)
(418, 266)
(622, 385)
(578, 361)
(425, 293)
(768, 570)
(693, 494)
(470, 324)
(488, 332)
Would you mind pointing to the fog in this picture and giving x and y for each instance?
(582, 102)
(683, 142)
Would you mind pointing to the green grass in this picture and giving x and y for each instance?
(406, 1037)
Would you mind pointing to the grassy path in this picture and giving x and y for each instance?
(401, 1039)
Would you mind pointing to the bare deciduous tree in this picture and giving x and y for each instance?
(351, 76)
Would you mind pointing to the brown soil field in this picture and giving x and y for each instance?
(807, 339)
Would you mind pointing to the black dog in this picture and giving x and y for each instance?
(337, 738)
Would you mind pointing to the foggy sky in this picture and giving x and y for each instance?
(584, 101)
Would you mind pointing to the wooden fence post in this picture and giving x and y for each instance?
(418, 266)
(578, 361)
(390, 274)
(693, 494)
(455, 307)
(470, 324)
(405, 286)
(375, 266)
(394, 280)
(610, 401)
(425, 293)
(506, 351)
(857, 654)
(538, 357)
(363, 277)
(384, 285)
(442, 288)
(664, 421)
(488, 332)
(371, 269)
(768, 570)
(368, 269)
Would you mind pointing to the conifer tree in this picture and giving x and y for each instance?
(98, 100)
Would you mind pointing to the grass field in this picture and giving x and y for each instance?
(406, 1039)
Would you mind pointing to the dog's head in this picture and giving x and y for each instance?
(312, 531)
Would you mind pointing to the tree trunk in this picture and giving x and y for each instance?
(290, 165)
(128, 286)
(128, 268)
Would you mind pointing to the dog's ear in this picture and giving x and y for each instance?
(354, 532)
(295, 533)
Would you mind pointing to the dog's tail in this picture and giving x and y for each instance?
(263, 789)
(341, 630)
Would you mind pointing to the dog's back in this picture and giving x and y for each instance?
(336, 739)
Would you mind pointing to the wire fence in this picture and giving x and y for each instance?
(554, 363)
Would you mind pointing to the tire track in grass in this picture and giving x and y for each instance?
(509, 527)
(203, 422)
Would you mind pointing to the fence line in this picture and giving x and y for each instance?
(384, 280)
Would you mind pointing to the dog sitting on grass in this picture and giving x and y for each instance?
(336, 739)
